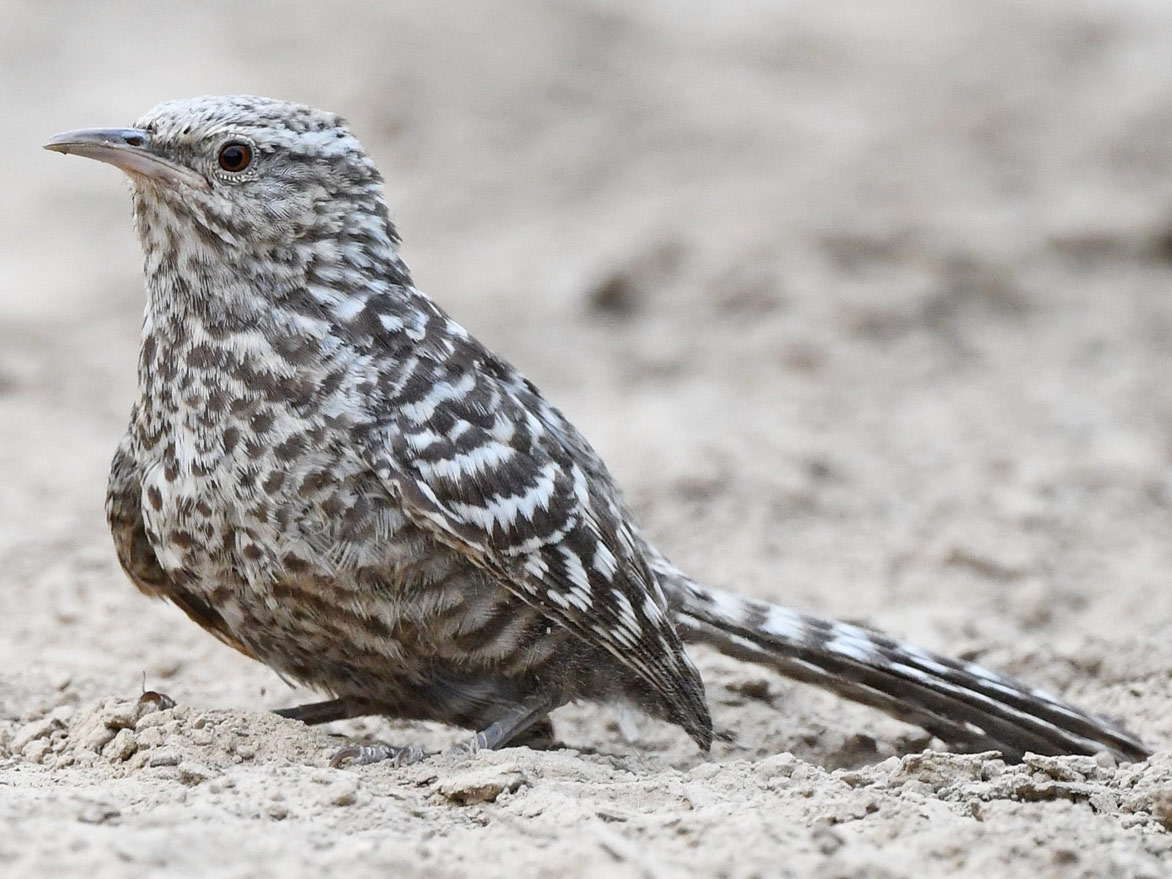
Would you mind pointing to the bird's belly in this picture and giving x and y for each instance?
(318, 562)
(361, 605)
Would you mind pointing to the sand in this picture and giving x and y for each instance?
(867, 305)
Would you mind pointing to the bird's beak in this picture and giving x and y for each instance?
(128, 149)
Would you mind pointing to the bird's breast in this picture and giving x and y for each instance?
(238, 474)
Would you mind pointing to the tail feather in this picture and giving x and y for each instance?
(965, 705)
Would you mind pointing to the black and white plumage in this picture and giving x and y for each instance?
(331, 475)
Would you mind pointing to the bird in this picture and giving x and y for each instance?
(328, 473)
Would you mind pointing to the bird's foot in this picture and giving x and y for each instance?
(517, 727)
(363, 755)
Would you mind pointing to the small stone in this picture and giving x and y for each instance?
(38, 729)
(343, 792)
(1106, 760)
(826, 838)
(121, 747)
(96, 736)
(155, 719)
(97, 813)
(481, 785)
(176, 741)
(36, 750)
(778, 765)
(151, 737)
(120, 715)
(277, 809)
(705, 771)
(616, 294)
(1104, 802)
(63, 713)
(1159, 806)
(191, 772)
(163, 758)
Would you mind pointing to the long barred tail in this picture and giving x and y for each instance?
(965, 705)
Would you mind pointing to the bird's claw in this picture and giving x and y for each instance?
(363, 755)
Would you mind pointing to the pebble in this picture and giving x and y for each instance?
(121, 747)
(30, 732)
(343, 792)
(481, 785)
(36, 750)
(191, 772)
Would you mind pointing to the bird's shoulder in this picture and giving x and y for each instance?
(478, 457)
(485, 441)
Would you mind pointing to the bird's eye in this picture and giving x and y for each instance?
(235, 156)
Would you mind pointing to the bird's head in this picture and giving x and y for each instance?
(240, 178)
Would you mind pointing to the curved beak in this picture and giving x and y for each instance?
(128, 149)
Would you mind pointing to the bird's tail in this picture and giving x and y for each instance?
(967, 706)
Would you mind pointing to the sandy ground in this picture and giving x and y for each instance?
(868, 306)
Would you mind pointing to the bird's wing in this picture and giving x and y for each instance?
(475, 466)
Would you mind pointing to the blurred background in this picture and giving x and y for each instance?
(867, 304)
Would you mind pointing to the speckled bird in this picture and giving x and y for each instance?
(328, 473)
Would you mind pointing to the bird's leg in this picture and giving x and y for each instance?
(514, 724)
(526, 722)
(314, 713)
